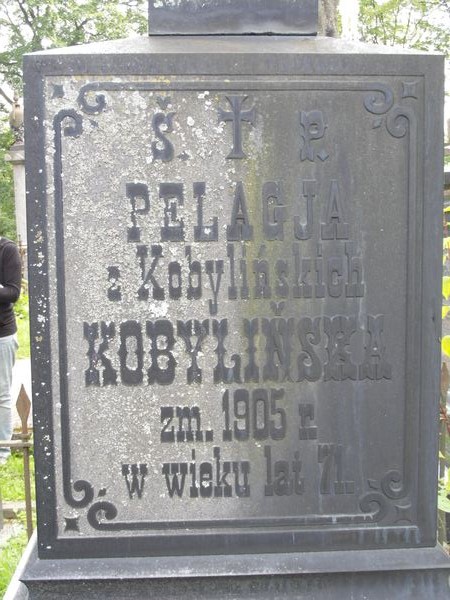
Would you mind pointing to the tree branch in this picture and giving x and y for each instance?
(408, 25)
(82, 24)
(6, 97)
(26, 16)
(397, 13)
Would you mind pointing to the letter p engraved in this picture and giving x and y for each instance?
(312, 128)
(135, 479)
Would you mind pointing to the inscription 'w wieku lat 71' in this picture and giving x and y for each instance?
(233, 268)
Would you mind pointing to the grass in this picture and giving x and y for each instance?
(22, 312)
(23, 337)
(12, 489)
(11, 478)
(10, 555)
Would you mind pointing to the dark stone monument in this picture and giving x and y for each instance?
(234, 266)
(209, 17)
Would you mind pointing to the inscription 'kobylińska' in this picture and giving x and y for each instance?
(291, 351)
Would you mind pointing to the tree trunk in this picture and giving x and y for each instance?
(328, 18)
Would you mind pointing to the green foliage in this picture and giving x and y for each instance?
(420, 24)
(22, 312)
(11, 478)
(32, 25)
(7, 218)
(21, 307)
(13, 490)
(444, 493)
(10, 555)
(444, 431)
(23, 337)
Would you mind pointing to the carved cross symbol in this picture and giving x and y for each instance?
(236, 116)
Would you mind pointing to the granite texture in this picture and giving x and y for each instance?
(234, 273)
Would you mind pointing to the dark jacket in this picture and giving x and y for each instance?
(10, 280)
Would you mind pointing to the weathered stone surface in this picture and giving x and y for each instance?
(362, 574)
(209, 17)
(235, 282)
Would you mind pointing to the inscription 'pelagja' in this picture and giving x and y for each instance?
(272, 218)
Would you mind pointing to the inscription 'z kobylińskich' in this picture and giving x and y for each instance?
(334, 273)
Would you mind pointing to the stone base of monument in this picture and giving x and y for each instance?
(365, 574)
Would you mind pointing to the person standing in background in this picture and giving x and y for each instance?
(10, 283)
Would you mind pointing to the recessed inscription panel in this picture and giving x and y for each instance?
(230, 270)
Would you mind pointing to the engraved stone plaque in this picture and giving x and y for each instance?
(234, 295)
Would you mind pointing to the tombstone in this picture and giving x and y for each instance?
(234, 270)
(15, 156)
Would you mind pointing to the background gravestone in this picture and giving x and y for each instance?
(234, 267)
